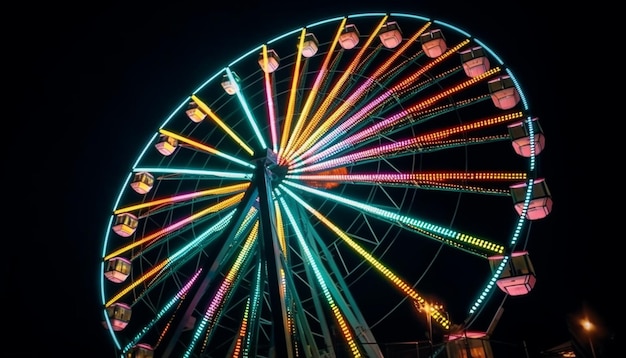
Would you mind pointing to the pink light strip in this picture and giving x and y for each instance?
(369, 107)
(304, 140)
(402, 145)
(270, 102)
(288, 138)
(177, 225)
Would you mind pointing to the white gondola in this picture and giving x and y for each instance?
(142, 182)
(310, 45)
(272, 61)
(467, 344)
(520, 137)
(194, 112)
(119, 315)
(125, 224)
(141, 350)
(349, 37)
(390, 34)
(474, 61)
(166, 145)
(117, 269)
(540, 204)
(433, 43)
(503, 92)
(231, 87)
(518, 275)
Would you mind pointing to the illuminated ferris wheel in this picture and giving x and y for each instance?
(322, 185)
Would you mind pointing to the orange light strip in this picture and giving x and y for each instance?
(178, 198)
(438, 135)
(221, 124)
(414, 178)
(303, 141)
(137, 281)
(160, 233)
(288, 138)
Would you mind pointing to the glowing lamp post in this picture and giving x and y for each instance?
(588, 326)
(428, 309)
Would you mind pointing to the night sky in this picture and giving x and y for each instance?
(109, 74)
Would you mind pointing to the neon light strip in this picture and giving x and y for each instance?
(401, 145)
(223, 291)
(386, 272)
(363, 113)
(178, 198)
(217, 120)
(137, 281)
(459, 238)
(293, 90)
(205, 148)
(238, 350)
(390, 121)
(370, 107)
(357, 95)
(168, 305)
(288, 138)
(270, 101)
(204, 173)
(303, 140)
(183, 252)
(255, 299)
(322, 282)
(251, 120)
(415, 178)
(177, 225)
(280, 229)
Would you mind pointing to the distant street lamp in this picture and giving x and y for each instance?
(588, 326)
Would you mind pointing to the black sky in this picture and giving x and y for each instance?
(112, 71)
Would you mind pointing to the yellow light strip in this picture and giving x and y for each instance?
(292, 95)
(393, 278)
(160, 233)
(304, 140)
(178, 198)
(137, 281)
(312, 96)
(280, 230)
(221, 124)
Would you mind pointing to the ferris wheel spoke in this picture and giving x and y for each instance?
(205, 148)
(391, 276)
(366, 108)
(289, 136)
(206, 111)
(158, 234)
(450, 237)
(306, 139)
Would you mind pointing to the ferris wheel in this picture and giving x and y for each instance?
(338, 179)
